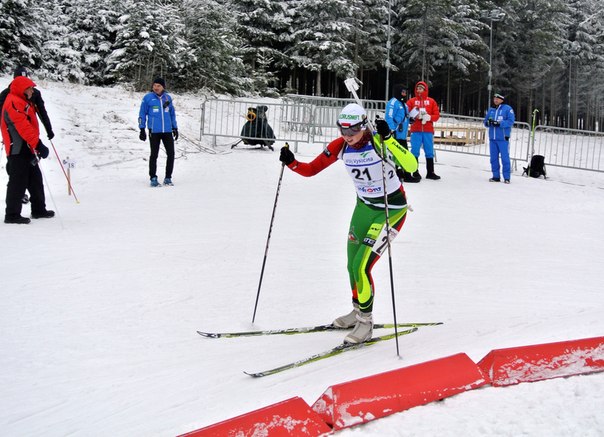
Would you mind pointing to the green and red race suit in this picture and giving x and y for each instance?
(367, 239)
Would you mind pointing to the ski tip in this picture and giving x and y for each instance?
(254, 375)
(208, 334)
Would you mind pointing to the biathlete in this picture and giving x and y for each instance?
(361, 153)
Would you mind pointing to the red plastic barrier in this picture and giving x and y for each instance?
(544, 361)
(373, 397)
(284, 419)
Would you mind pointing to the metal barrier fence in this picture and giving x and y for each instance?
(293, 120)
(570, 148)
(461, 134)
(308, 119)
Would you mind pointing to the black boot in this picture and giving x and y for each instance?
(43, 214)
(430, 168)
(405, 176)
(408, 177)
(16, 219)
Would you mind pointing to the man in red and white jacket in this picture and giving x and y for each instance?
(21, 137)
(423, 110)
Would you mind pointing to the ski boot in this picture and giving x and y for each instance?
(363, 329)
(349, 320)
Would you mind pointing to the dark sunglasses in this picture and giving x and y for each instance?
(350, 131)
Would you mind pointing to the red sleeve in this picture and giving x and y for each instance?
(321, 162)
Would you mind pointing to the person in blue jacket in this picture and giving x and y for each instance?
(397, 117)
(500, 119)
(158, 114)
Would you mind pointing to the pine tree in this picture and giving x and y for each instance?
(215, 62)
(19, 35)
(148, 43)
(260, 24)
(320, 41)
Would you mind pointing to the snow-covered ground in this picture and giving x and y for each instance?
(100, 305)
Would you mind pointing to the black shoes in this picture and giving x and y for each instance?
(43, 214)
(433, 176)
(17, 220)
(495, 180)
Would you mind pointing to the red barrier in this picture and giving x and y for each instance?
(363, 400)
(284, 419)
(544, 361)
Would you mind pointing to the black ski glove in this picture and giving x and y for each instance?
(51, 134)
(382, 128)
(143, 135)
(286, 156)
(495, 123)
(42, 150)
(175, 134)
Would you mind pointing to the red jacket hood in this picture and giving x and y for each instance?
(19, 85)
(425, 85)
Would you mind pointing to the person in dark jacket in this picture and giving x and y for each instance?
(36, 99)
(21, 137)
(158, 114)
(500, 119)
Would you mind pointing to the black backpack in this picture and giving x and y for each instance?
(536, 168)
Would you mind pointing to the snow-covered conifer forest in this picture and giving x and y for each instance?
(546, 54)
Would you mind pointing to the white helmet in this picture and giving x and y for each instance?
(352, 115)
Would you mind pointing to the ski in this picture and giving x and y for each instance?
(307, 330)
(341, 348)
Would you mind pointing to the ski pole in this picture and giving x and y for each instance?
(47, 185)
(352, 86)
(533, 132)
(268, 239)
(64, 173)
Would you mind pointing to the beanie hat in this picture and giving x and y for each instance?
(160, 81)
(499, 96)
(21, 71)
(352, 115)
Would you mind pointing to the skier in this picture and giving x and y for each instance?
(21, 137)
(157, 112)
(361, 153)
(500, 119)
(423, 111)
(397, 117)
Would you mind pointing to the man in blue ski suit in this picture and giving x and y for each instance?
(500, 119)
(397, 117)
(157, 112)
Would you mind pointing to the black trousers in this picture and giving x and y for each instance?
(22, 175)
(168, 140)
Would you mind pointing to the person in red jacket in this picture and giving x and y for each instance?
(424, 111)
(21, 137)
